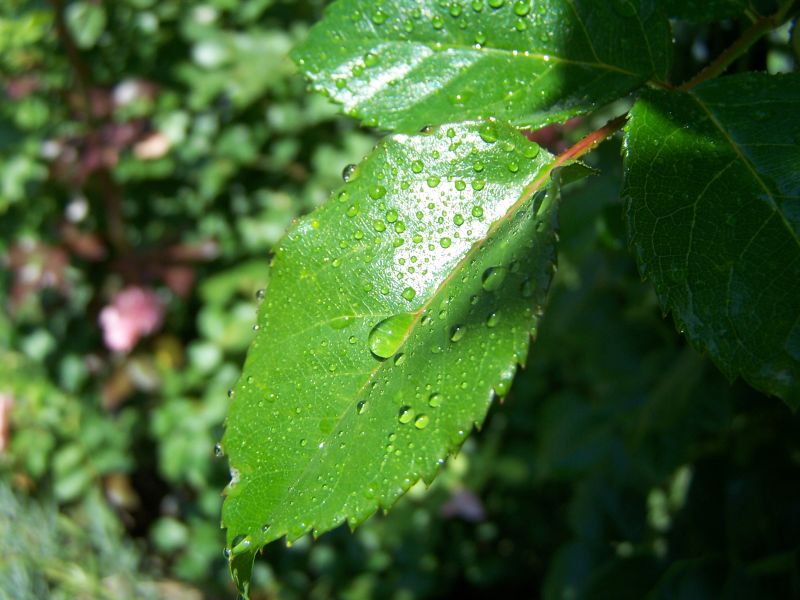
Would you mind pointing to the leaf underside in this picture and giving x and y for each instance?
(457, 253)
(409, 64)
(712, 191)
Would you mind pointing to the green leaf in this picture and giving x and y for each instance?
(705, 11)
(402, 65)
(712, 192)
(86, 22)
(394, 313)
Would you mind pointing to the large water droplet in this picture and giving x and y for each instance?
(387, 336)
(422, 421)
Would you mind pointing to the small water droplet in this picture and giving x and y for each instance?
(522, 8)
(409, 293)
(417, 166)
(435, 400)
(457, 333)
(361, 407)
(218, 451)
(477, 212)
(422, 421)
(405, 415)
(493, 278)
(445, 242)
(492, 320)
(488, 133)
(347, 172)
(260, 294)
(376, 192)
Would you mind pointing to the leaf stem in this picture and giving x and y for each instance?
(740, 46)
(593, 140)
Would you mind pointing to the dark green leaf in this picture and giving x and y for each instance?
(394, 313)
(705, 11)
(402, 65)
(712, 186)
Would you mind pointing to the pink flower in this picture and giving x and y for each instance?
(6, 404)
(135, 312)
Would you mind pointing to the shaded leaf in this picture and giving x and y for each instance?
(394, 313)
(712, 192)
(402, 65)
(705, 11)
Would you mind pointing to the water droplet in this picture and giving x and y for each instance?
(422, 421)
(347, 172)
(445, 242)
(379, 17)
(406, 415)
(361, 407)
(417, 166)
(379, 225)
(460, 185)
(531, 150)
(457, 333)
(218, 451)
(492, 320)
(493, 278)
(522, 8)
(409, 293)
(513, 167)
(391, 215)
(458, 219)
(387, 336)
(488, 133)
(400, 227)
(260, 294)
(399, 359)
(437, 22)
(496, 3)
(435, 400)
(376, 192)
(240, 545)
(341, 322)
(477, 212)
(503, 384)
(478, 184)
(434, 180)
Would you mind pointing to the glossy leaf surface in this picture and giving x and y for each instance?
(402, 65)
(712, 187)
(394, 314)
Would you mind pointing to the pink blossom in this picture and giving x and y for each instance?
(6, 404)
(134, 312)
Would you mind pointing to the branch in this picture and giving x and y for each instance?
(740, 46)
(110, 190)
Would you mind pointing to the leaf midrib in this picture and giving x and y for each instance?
(750, 167)
(527, 194)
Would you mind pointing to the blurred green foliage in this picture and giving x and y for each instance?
(166, 145)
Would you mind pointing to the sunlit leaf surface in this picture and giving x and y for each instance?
(395, 313)
(402, 65)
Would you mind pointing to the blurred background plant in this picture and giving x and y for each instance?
(151, 155)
